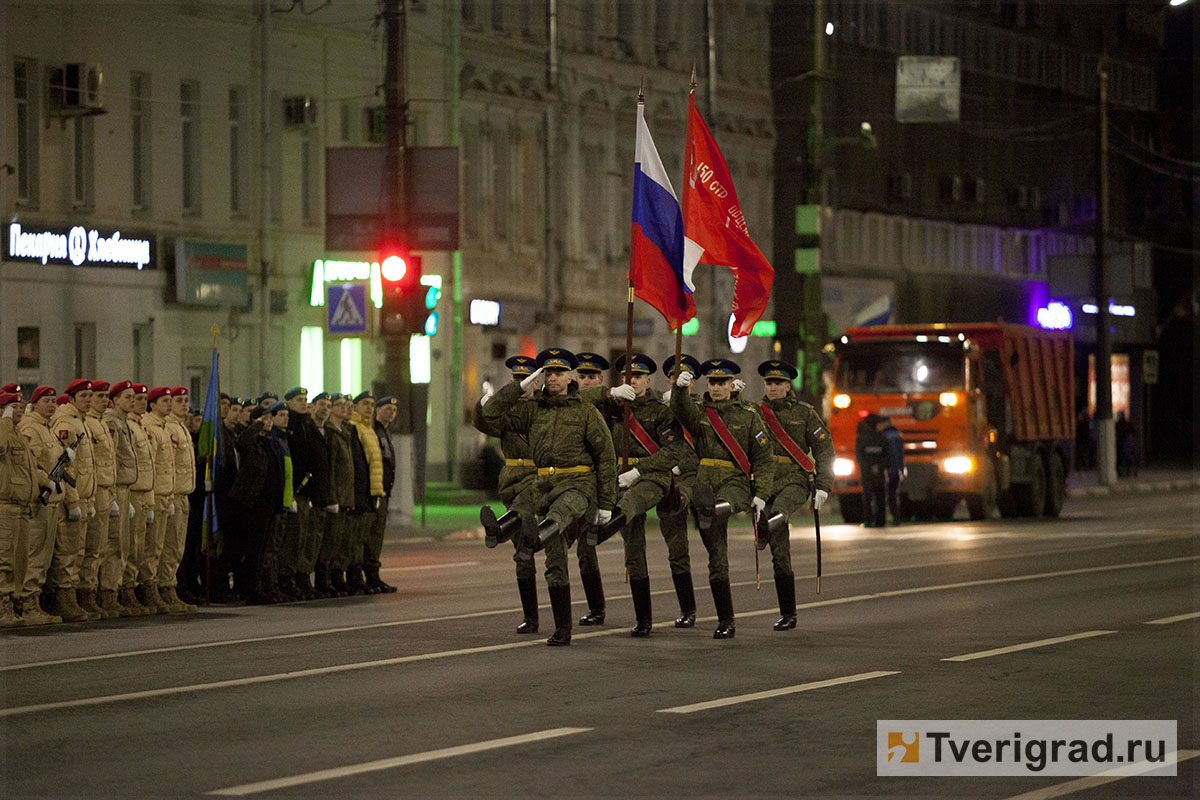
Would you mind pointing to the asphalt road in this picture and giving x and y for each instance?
(428, 692)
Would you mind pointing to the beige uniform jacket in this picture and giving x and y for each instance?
(66, 425)
(102, 449)
(125, 459)
(143, 451)
(164, 454)
(19, 474)
(45, 448)
(184, 456)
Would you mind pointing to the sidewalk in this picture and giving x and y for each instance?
(453, 515)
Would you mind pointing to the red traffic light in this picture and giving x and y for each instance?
(403, 299)
(392, 268)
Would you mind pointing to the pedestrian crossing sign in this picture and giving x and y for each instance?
(346, 308)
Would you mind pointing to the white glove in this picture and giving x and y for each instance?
(74, 515)
(8, 411)
(170, 509)
(486, 396)
(150, 516)
(627, 479)
(759, 504)
(525, 384)
(332, 508)
(676, 470)
(603, 517)
(623, 392)
(378, 500)
(684, 380)
(667, 396)
(295, 507)
(208, 486)
(71, 454)
(819, 499)
(739, 385)
(114, 510)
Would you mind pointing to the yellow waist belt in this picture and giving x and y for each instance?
(564, 470)
(630, 460)
(518, 462)
(716, 462)
(785, 460)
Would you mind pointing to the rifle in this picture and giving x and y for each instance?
(817, 526)
(59, 472)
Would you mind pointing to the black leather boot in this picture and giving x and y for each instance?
(769, 528)
(785, 589)
(531, 535)
(599, 534)
(321, 586)
(498, 530)
(640, 588)
(378, 584)
(354, 581)
(687, 600)
(527, 588)
(560, 602)
(304, 587)
(723, 600)
(593, 590)
(337, 583)
(708, 510)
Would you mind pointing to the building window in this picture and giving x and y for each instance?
(189, 113)
(664, 32)
(625, 26)
(84, 162)
(345, 121)
(239, 172)
(85, 349)
(26, 94)
(139, 118)
(275, 109)
(312, 358)
(531, 171)
(310, 163)
(29, 351)
(351, 361)
(472, 181)
(143, 352)
(501, 183)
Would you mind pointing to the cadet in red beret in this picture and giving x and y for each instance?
(78, 385)
(16, 461)
(10, 388)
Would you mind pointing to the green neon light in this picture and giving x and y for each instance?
(420, 360)
(333, 271)
(764, 327)
(316, 296)
(691, 327)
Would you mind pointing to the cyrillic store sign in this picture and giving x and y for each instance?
(210, 273)
(80, 247)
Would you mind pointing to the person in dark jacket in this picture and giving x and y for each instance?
(310, 460)
(895, 469)
(385, 414)
(259, 491)
(870, 450)
(364, 504)
(331, 562)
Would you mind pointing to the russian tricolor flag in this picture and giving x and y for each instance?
(656, 244)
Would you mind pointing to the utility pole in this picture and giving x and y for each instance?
(454, 418)
(1106, 439)
(396, 350)
(264, 208)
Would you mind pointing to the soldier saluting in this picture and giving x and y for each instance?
(736, 469)
(803, 453)
(576, 469)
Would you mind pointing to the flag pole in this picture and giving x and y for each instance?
(684, 207)
(633, 248)
(206, 540)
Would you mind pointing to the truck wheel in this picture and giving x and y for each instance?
(944, 506)
(852, 507)
(1056, 484)
(983, 505)
(1031, 497)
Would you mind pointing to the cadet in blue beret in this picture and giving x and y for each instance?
(266, 398)
(294, 391)
(589, 371)
(573, 453)
(516, 474)
(689, 363)
(803, 453)
(735, 473)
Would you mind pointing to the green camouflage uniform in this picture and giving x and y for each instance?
(563, 432)
(513, 477)
(729, 483)
(335, 549)
(791, 488)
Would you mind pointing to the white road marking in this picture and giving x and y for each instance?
(1177, 618)
(749, 698)
(1108, 776)
(422, 567)
(999, 651)
(392, 763)
(499, 611)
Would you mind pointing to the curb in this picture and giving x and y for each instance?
(1139, 487)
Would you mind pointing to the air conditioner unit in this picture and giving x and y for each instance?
(299, 112)
(77, 90)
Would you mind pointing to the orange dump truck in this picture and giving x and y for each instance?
(985, 411)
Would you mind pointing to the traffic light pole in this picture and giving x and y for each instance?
(396, 367)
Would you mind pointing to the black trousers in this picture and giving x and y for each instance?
(874, 498)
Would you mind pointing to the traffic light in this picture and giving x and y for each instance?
(432, 284)
(402, 309)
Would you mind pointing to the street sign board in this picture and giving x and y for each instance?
(346, 308)
(1150, 366)
(928, 89)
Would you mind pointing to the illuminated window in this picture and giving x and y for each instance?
(312, 359)
(420, 360)
(351, 366)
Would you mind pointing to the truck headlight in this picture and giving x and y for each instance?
(843, 467)
(948, 399)
(841, 401)
(958, 465)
